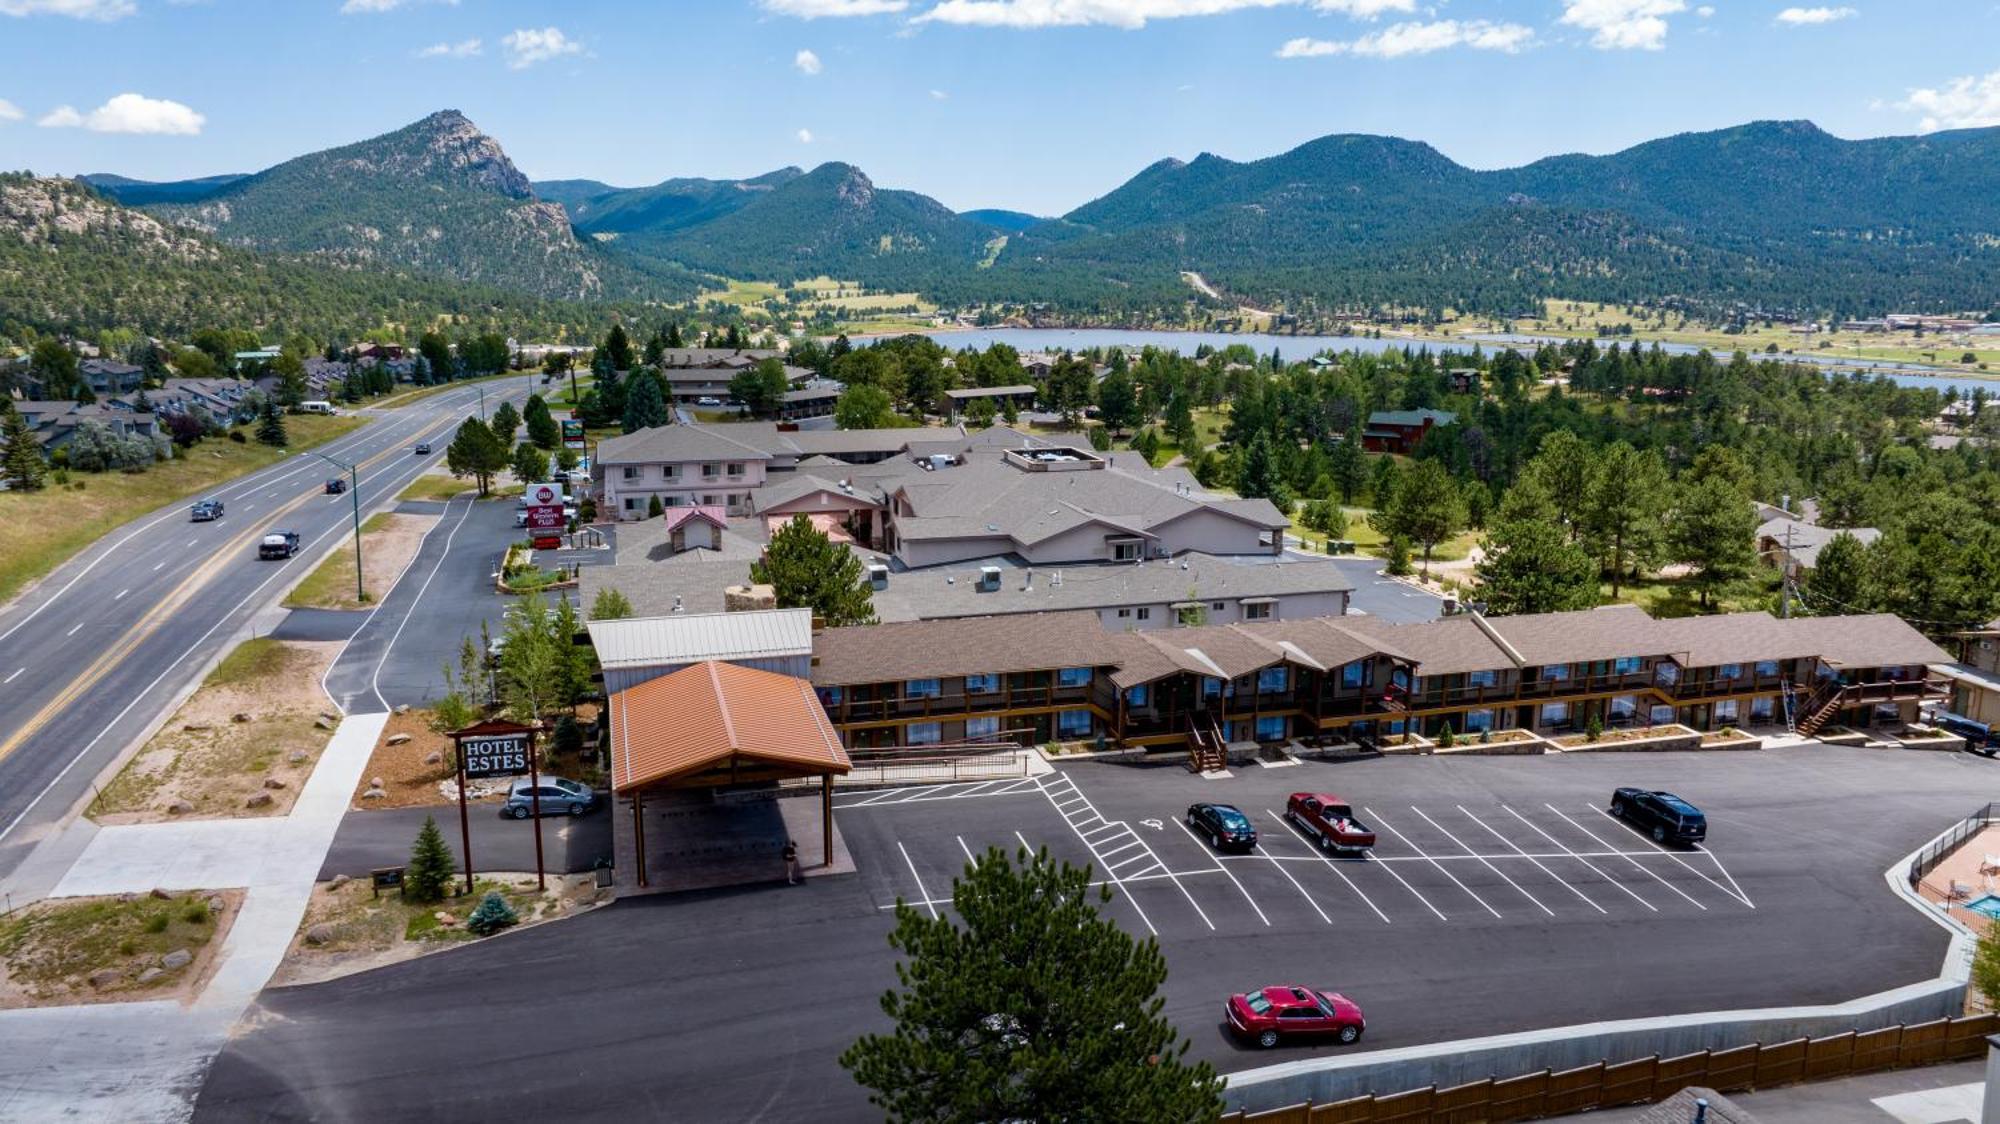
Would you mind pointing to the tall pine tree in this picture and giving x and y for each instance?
(20, 453)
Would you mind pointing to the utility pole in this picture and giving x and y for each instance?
(1790, 572)
(354, 499)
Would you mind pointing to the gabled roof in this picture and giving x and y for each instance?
(935, 649)
(711, 713)
(674, 443)
(676, 516)
(1874, 640)
(1411, 418)
(693, 637)
(1734, 638)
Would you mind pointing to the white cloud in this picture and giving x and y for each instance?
(1127, 14)
(129, 113)
(366, 7)
(1705, 11)
(816, 9)
(1365, 9)
(528, 46)
(9, 111)
(463, 49)
(1806, 17)
(1623, 25)
(939, 95)
(104, 10)
(1962, 103)
(806, 62)
(1418, 39)
(805, 136)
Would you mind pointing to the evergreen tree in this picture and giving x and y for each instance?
(291, 372)
(610, 605)
(1348, 468)
(645, 403)
(1711, 532)
(1567, 471)
(428, 877)
(617, 349)
(674, 335)
(542, 427)
(761, 389)
(980, 412)
(1426, 509)
(20, 454)
(810, 571)
(492, 915)
(1842, 579)
(1036, 1007)
(435, 353)
(271, 424)
(1118, 402)
(53, 364)
(863, 407)
(1531, 566)
(1626, 510)
(530, 465)
(1259, 475)
(504, 420)
(572, 664)
(475, 452)
(1382, 480)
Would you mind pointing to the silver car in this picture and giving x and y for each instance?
(560, 796)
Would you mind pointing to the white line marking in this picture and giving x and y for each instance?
(73, 629)
(1280, 867)
(1628, 858)
(1225, 872)
(11, 678)
(121, 595)
(1585, 860)
(375, 680)
(158, 566)
(923, 893)
(1337, 871)
(1737, 894)
(191, 542)
(1136, 842)
(1377, 817)
(1717, 860)
(1389, 867)
(1545, 870)
(1114, 874)
(966, 849)
(1488, 865)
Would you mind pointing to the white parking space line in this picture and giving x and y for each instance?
(1280, 868)
(1388, 865)
(1582, 858)
(1483, 903)
(1737, 894)
(1545, 870)
(11, 678)
(158, 566)
(1079, 797)
(921, 892)
(121, 595)
(1225, 872)
(1336, 870)
(191, 542)
(968, 851)
(1635, 862)
(1717, 860)
(73, 629)
(1487, 863)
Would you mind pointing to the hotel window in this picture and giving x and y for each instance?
(1761, 709)
(670, 471)
(1729, 671)
(631, 472)
(921, 689)
(1257, 611)
(1219, 606)
(829, 696)
(1667, 672)
(1073, 723)
(634, 503)
(1124, 614)
(1136, 696)
(1554, 714)
(982, 684)
(1625, 707)
(1145, 613)
(980, 729)
(1476, 720)
(1211, 687)
(1556, 671)
(1273, 680)
(735, 470)
(710, 499)
(923, 733)
(1626, 665)
(1073, 677)
(1481, 678)
(1354, 674)
(1125, 551)
(1271, 729)
(1767, 668)
(708, 469)
(1725, 711)
(1661, 715)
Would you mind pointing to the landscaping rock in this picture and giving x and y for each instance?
(215, 906)
(149, 975)
(297, 756)
(373, 794)
(105, 977)
(446, 919)
(239, 717)
(399, 739)
(159, 894)
(402, 708)
(273, 783)
(178, 958)
(195, 727)
(329, 716)
(321, 933)
(374, 782)
(339, 880)
(179, 808)
(322, 724)
(434, 758)
(261, 800)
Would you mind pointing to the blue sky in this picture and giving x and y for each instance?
(1037, 105)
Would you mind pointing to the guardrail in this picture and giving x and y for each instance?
(1928, 859)
(1533, 1096)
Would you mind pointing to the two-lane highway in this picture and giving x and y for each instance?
(97, 650)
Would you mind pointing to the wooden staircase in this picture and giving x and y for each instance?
(1819, 708)
(1206, 749)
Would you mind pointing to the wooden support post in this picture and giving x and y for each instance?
(639, 832)
(464, 821)
(826, 818)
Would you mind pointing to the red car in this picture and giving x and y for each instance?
(1330, 821)
(1266, 1017)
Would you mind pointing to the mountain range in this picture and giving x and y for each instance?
(1769, 214)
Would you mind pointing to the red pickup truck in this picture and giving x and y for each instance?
(1330, 820)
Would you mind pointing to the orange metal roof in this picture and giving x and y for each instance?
(705, 714)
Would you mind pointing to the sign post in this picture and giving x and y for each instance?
(496, 749)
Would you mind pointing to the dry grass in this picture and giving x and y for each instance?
(431, 486)
(49, 951)
(388, 542)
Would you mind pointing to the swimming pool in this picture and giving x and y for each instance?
(1986, 905)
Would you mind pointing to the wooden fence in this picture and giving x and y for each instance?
(1533, 1096)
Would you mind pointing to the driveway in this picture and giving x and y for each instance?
(370, 838)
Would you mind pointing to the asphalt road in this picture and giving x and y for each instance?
(664, 1013)
(97, 650)
(382, 837)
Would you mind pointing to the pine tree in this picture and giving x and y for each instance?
(1626, 509)
(503, 422)
(429, 875)
(493, 915)
(1711, 531)
(617, 349)
(271, 425)
(1426, 509)
(674, 336)
(530, 464)
(1531, 566)
(475, 452)
(610, 605)
(20, 454)
(810, 571)
(645, 403)
(542, 427)
(1027, 1004)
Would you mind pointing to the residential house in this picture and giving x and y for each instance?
(1790, 542)
(1021, 396)
(1400, 431)
(108, 377)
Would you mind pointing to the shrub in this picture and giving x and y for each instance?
(1486, 737)
(157, 923)
(236, 435)
(1399, 557)
(493, 915)
(196, 913)
(654, 508)
(568, 736)
(1593, 729)
(1446, 739)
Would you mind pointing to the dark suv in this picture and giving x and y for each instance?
(1666, 817)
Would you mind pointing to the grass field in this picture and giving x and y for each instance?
(331, 584)
(40, 530)
(50, 950)
(858, 310)
(429, 487)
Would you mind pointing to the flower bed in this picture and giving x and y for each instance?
(1497, 743)
(1841, 735)
(1729, 737)
(1920, 736)
(1636, 739)
(1406, 743)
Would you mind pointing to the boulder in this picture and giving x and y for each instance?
(179, 808)
(373, 794)
(196, 727)
(322, 724)
(178, 958)
(446, 919)
(339, 880)
(261, 800)
(105, 977)
(434, 758)
(273, 783)
(399, 739)
(297, 756)
(215, 906)
(149, 975)
(329, 716)
(321, 933)
(159, 894)
(239, 717)
(374, 782)
(402, 708)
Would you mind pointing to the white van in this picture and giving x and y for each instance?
(316, 407)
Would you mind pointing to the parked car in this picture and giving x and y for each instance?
(335, 485)
(279, 544)
(205, 510)
(1224, 825)
(422, 449)
(1273, 1014)
(560, 796)
(706, 401)
(1330, 820)
(1666, 817)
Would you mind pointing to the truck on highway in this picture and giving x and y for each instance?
(279, 544)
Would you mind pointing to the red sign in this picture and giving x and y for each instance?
(545, 521)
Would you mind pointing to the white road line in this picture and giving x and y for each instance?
(1585, 860)
(1136, 842)
(1377, 817)
(1080, 797)
(1098, 830)
(1280, 868)
(1225, 873)
(11, 678)
(1165, 874)
(375, 680)
(1340, 873)
(1538, 863)
(121, 595)
(1487, 864)
(1628, 858)
(1498, 857)
(1717, 860)
(1737, 894)
(884, 794)
(73, 629)
(968, 851)
(191, 542)
(921, 892)
(158, 566)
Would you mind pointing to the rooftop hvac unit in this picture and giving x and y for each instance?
(989, 579)
(878, 576)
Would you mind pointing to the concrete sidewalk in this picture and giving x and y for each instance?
(145, 1060)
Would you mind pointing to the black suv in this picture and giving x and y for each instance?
(1225, 827)
(1666, 817)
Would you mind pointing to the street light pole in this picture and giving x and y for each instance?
(354, 500)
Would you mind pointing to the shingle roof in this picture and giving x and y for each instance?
(961, 646)
(1875, 640)
(1733, 638)
(1807, 539)
(953, 590)
(1593, 634)
(664, 443)
(709, 713)
(1451, 646)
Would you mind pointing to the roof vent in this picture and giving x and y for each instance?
(878, 576)
(989, 579)
(677, 602)
(1057, 579)
(1029, 585)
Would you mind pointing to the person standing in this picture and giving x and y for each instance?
(791, 862)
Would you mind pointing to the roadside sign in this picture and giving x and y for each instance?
(544, 495)
(385, 878)
(572, 432)
(494, 755)
(546, 521)
(497, 749)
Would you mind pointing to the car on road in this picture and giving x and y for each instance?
(705, 401)
(279, 544)
(1664, 816)
(421, 448)
(1224, 826)
(1270, 1015)
(205, 510)
(560, 796)
(1329, 820)
(335, 485)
